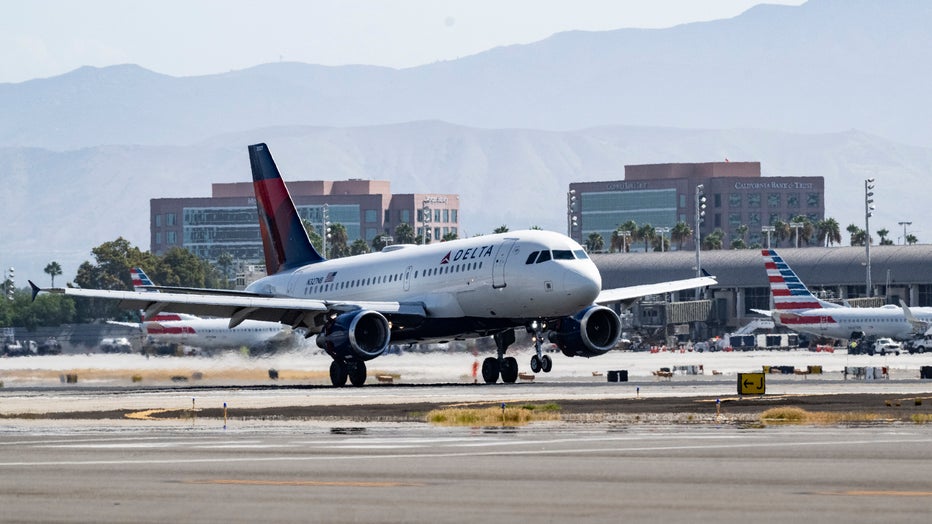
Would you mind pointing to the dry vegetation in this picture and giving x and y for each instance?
(494, 416)
(792, 415)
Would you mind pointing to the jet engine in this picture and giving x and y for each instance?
(357, 335)
(590, 333)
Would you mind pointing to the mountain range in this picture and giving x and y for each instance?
(832, 87)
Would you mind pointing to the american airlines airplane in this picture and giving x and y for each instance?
(204, 333)
(798, 309)
(482, 286)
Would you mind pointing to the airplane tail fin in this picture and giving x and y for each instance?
(141, 281)
(284, 239)
(789, 293)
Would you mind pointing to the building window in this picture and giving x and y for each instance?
(792, 200)
(734, 220)
(169, 219)
(813, 200)
(404, 216)
(753, 219)
(682, 200)
(437, 233)
(774, 218)
(446, 215)
(371, 215)
(773, 200)
(453, 216)
(171, 238)
(420, 215)
(158, 238)
(436, 215)
(388, 216)
(718, 199)
(754, 200)
(734, 200)
(158, 220)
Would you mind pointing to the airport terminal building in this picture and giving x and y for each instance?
(663, 194)
(227, 221)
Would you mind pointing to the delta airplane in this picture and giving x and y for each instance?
(203, 333)
(476, 287)
(798, 309)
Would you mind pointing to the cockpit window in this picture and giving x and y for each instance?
(581, 254)
(544, 256)
(562, 254)
(532, 257)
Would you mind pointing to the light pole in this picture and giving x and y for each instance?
(868, 211)
(768, 230)
(325, 214)
(425, 220)
(796, 226)
(700, 214)
(904, 224)
(572, 219)
(662, 231)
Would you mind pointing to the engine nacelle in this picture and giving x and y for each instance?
(361, 335)
(590, 333)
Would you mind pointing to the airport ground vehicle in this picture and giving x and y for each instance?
(116, 345)
(919, 345)
(884, 346)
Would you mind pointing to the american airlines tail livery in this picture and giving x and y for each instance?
(798, 309)
(476, 287)
(204, 333)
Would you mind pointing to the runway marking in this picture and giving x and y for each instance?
(861, 493)
(313, 483)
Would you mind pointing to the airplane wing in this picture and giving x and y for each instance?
(241, 306)
(628, 294)
(134, 325)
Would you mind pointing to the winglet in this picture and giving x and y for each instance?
(35, 290)
(284, 239)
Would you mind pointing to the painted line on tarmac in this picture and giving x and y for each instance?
(862, 493)
(312, 483)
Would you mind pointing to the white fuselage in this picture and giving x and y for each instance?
(481, 277)
(845, 322)
(212, 333)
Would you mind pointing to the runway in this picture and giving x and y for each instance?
(549, 472)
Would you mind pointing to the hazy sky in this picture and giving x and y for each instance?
(42, 38)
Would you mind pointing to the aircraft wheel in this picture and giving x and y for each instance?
(338, 373)
(357, 374)
(535, 364)
(509, 370)
(546, 364)
(490, 370)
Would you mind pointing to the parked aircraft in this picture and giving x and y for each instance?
(798, 309)
(475, 287)
(204, 333)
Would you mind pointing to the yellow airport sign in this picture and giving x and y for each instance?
(751, 384)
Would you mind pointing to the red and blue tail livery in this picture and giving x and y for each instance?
(789, 292)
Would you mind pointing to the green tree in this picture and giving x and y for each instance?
(378, 243)
(858, 235)
(225, 262)
(449, 236)
(884, 241)
(53, 269)
(781, 232)
(714, 240)
(338, 242)
(741, 233)
(680, 233)
(316, 240)
(111, 271)
(828, 232)
(647, 233)
(595, 243)
(501, 229)
(358, 247)
(911, 239)
(404, 234)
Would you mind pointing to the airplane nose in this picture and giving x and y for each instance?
(582, 283)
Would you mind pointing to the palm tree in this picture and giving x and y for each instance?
(781, 231)
(595, 243)
(804, 233)
(647, 233)
(714, 240)
(53, 269)
(338, 241)
(829, 232)
(359, 247)
(449, 236)
(858, 235)
(501, 229)
(404, 233)
(911, 239)
(680, 233)
(884, 241)
(741, 232)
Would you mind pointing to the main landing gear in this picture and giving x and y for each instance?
(354, 370)
(539, 362)
(507, 367)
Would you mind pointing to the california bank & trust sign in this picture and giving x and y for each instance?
(774, 185)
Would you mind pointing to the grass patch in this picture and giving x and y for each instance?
(792, 415)
(494, 416)
(921, 418)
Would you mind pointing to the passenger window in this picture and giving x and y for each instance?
(544, 256)
(532, 257)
